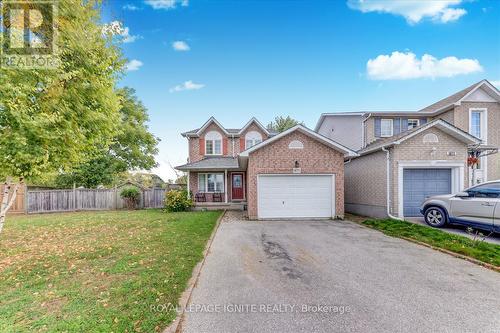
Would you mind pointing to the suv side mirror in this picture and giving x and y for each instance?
(462, 195)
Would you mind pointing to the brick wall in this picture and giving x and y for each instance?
(233, 142)
(370, 131)
(315, 158)
(415, 149)
(366, 181)
(461, 116)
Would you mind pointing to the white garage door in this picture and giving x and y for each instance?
(293, 196)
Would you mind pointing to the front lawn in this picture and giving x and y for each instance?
(97, 271)
(485, 252)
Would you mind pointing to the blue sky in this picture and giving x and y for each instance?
(238, 59)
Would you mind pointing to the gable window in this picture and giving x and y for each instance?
(412, 123)
(386, 128)
(213, 143)
(252, 138)
(211, 182)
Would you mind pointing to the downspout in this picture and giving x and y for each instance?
(364, 129)
(232, 141)
(388, 190)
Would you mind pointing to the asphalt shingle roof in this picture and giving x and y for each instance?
(449, 100)
(212, 163)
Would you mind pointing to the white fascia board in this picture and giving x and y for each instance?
(484, 82)
(348, 152)
(209, 121)
(449, 129)
(254, 120)
(324, 115)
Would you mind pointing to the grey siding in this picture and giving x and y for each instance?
(344, 129)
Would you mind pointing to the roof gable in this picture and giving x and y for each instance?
(212, 120)
(400, 138)
(254, 120)
(332, 144)
(457, 98)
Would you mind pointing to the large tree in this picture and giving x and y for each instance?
(53, 119)
(132, 148)
(281, 124)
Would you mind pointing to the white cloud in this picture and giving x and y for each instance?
(127, 37)
(130, 7)
(167, 4)
(116, 28)
(133, 65)
(188, 85)
(403, 66)
(180, 45)
(412, 10)
(496, 83)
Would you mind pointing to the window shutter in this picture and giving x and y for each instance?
(224, 146)
(378, 130)
(202, 146)
(397, 126)
(242, 144)
(423, 121)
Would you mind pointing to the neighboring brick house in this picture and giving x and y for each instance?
(294, 174)
(428, 151)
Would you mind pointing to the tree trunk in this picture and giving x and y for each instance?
(6, 202)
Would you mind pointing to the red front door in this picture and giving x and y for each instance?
(237, 186)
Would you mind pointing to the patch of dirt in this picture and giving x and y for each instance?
(234, 216)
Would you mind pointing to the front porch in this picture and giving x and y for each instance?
(216, 183)
(220, 205)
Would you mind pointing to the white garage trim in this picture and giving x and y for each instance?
(457, 176)
(333, 193)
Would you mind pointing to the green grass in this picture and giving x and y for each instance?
(97, 271)
(483, 251)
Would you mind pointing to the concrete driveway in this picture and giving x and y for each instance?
(330, 276)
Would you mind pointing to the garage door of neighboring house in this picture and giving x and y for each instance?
(295, 196)
(418, 184)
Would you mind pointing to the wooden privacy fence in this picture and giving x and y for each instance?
(88, 199)
(19, 203)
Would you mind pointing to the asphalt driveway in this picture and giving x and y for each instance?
(331, 276)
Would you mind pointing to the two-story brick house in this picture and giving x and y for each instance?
(294, 174)
(405, 157)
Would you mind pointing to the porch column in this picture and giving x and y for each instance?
(188, 187)
(225, 185)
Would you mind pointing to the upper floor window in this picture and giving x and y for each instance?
(477, 123)
(252, 138)
(386, 128)
(412, 123)
(213, 143)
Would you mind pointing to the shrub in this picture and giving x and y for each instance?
(131, 195)
(177, 201)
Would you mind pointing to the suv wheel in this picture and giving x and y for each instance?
(435, 217)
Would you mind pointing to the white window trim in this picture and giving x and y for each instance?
(418, 123)
(206, 181)
(484, 123)
(213, 144)
(484, 134)
(457, 176)
(252, 138)
(392, 127)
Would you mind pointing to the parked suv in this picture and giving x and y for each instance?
(478, 206)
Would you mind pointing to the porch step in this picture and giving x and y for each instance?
(220, 205)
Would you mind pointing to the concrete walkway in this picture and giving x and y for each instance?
(334, 276)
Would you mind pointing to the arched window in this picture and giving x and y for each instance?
(252, 138)
(213, 143)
